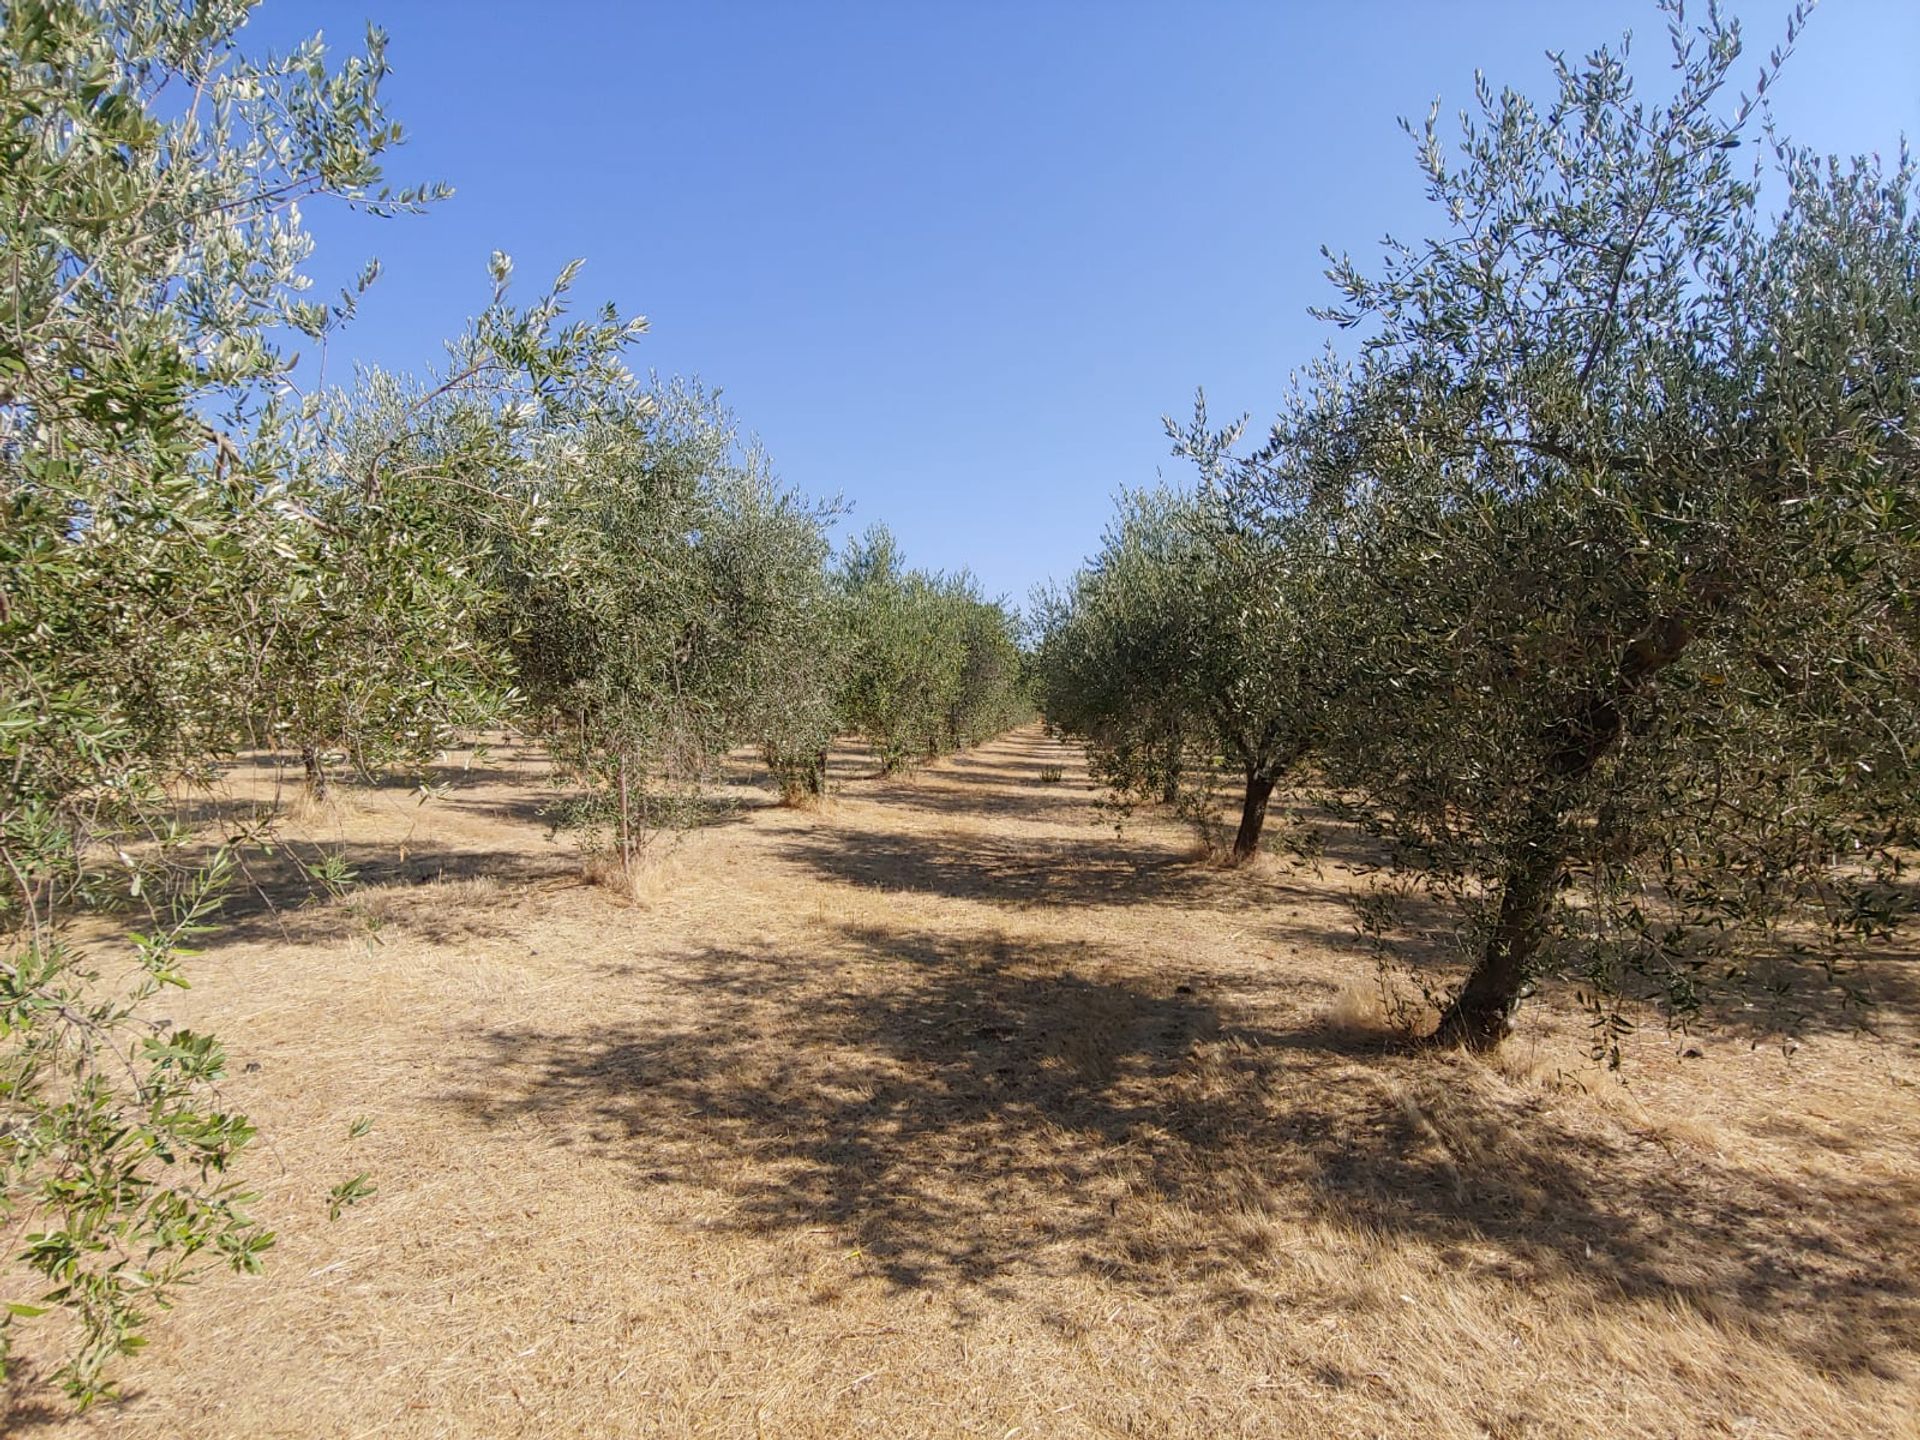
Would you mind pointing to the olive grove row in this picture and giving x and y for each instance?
(1587, 581)
(201, 553)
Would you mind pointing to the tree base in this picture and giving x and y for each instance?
(1463, 1030)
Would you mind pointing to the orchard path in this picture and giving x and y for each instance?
(946, 1110)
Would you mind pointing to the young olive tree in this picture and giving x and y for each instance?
(672, 604)
(777, 623)
(372, 644)
(799, 710)
(601, 611)
(1627, 485)
(1105, 651)
(1180, 647)
(901, 663)
(988, 694)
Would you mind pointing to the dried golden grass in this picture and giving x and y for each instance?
(1382, 1006)
(943, 1111)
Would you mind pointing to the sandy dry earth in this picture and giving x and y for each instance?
(945, 1111)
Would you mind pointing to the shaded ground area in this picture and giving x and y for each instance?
(992, 1079)
(947, 1110)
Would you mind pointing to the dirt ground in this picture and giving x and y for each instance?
(944, 1110)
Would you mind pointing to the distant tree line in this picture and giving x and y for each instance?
(1588, 581)
(201, 553)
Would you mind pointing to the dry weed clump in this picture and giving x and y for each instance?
(1382, 1007)
(944, 1111)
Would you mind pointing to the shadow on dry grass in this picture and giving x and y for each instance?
(276, 897)
(25, 1401)
(972, 865)
(1029, 802)
(970, 1113)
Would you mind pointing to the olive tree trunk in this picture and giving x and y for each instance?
(1253, 815)
(316, 770)
(1481, 1014)
(625, 797)
(1170, 776)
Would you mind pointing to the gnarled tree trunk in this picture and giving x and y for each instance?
(1481, 1014)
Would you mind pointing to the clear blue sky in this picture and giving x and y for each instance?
(953, 261)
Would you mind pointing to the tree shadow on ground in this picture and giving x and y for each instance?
(280, 888)
(1757, 1001)
(1762, 990)
(1082, 867)
(1031, 802)
(276, 895)
(24, 1402)
(1000, 869)
(971, 1113)
(1020, 757)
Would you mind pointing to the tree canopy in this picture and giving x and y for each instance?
(1600, 546)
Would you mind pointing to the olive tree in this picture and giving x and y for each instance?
(777, 622)
(901, 663)
(988, 694)
(1627, 484)
(673, 603)
(197, 554)
(1110, 655)
(931, 664)
(370, 639)
(1182, 646)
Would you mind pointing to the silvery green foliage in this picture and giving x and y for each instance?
(990, 691)
(1115, 650)
(201, 554)
(150, 179)
(372, 646)
(194, 554)
(672, 603)
(1111, 651)
(1182, 650)
(767, 554)
(1622, 488)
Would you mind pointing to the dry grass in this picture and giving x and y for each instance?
(1381, 1008)
(940, 1110)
